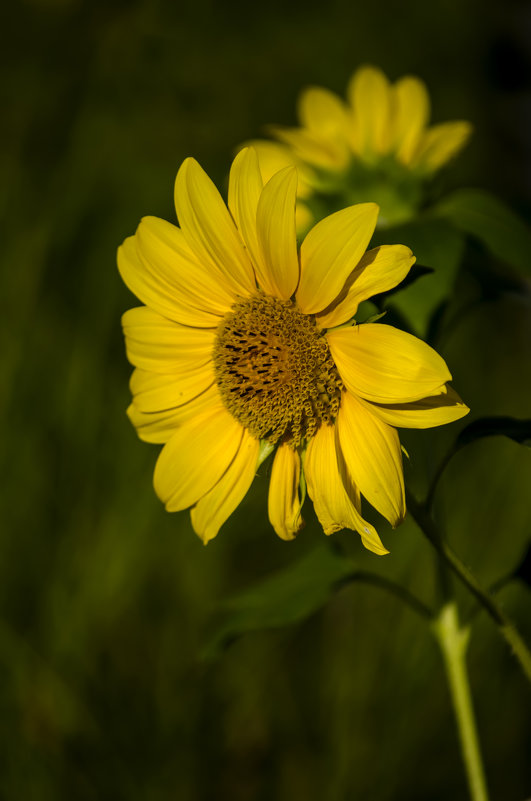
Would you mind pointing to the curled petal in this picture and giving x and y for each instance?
(334, 506)
(377, 271)
(371, 458)
(386, 365)
(435, 410)
(284, 504)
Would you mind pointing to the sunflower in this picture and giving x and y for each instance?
(247, 345)
(375, 146)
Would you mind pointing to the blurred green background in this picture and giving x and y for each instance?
(107, 601)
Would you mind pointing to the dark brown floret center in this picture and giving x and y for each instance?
(274, 370)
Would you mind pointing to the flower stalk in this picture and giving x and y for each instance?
(453, 642)
(505, 626)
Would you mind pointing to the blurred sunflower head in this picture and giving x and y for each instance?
(375, 145)
(248, 345)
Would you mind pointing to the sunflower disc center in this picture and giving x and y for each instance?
(274, 370)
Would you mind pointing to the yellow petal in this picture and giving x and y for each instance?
(196, 457)
(164, 248)
(159, 427)
(151, 287)
(377, 271)
(245, 188)
(386, 365)
(369, 95)
(323, 112)
(314, 149)
(209, 228)
(435, 410)
(214, 508)
(371, 458)
(330, 252)
(333, 506)
(440, 144)
(277, 238)
(154, 392)
(284, 503)
(155, 343)
(273, 157)
(411, 110)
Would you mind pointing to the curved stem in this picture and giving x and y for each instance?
(438, 473)
(453, 641)
(398, 591)
(504, 624)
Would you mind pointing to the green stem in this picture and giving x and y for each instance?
(453, 642)
(505, 626)
(397, 590)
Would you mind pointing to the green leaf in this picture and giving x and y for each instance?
(487, 351)
(437, 245)
(287, 597)
(487, 218)
(482, 505)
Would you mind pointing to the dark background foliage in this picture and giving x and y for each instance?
(107, 601)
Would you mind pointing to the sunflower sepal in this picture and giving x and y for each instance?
(266, 449)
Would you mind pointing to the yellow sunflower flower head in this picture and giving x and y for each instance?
(248, 345)
(375, 145)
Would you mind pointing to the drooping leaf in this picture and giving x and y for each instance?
(287, 597)
(488, 219)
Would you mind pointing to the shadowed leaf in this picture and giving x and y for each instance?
(438, 248)
(485, 217)
(482, 504)
(289, 596)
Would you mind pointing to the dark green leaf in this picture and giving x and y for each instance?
(416, 272)
(285, 598)
(438, 247)
(487, 218)
(488, 353)
(482, 505)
